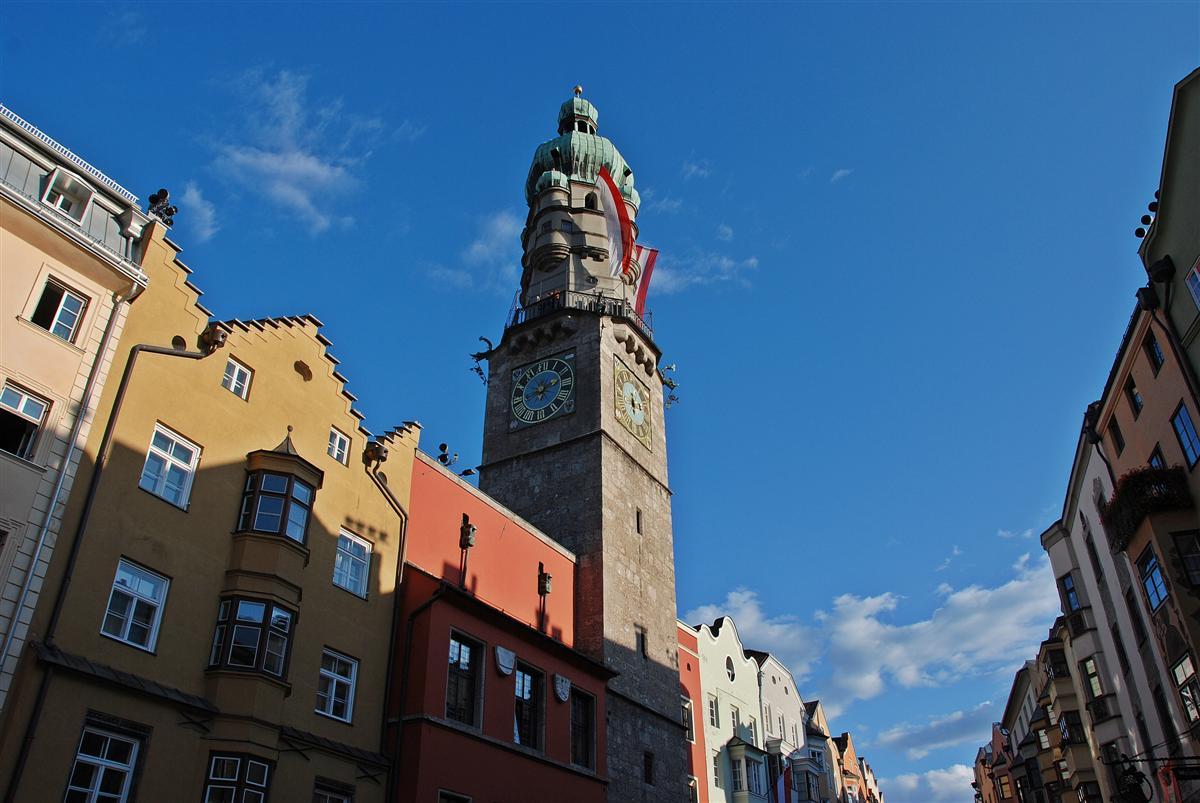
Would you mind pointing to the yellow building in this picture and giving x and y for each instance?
(215, 621)
(70, 248)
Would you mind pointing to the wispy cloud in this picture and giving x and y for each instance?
(840, 173)
(294, 152)
(790, 641)
(410, 131)
(124, 26)
(199, 214)
(696, 168)
(947, 730)
(1010, 534)
(945, 564)
(491, 260)
(952, 783)
(656, 203)
(724, 232)
(675, 274)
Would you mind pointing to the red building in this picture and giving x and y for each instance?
(693, 702)
(491, 701)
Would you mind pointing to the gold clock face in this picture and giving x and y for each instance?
(632, 403)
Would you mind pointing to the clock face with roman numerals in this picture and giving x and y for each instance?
(632, 403)
(543, 390)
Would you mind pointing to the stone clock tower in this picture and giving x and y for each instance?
(574, 442)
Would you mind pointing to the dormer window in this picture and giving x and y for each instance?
(67, 194)
(276, 503)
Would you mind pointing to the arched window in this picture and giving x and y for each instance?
(729, 668)
(590, 201)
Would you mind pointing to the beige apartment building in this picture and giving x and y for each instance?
(71, 244)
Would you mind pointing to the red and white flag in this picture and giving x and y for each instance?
(620, 230)
(646, 257)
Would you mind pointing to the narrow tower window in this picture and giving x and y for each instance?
(639, 521)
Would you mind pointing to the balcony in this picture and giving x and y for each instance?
(1102, 708)
(589, 302)
(1140, 493)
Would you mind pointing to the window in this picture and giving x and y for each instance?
(818, 758)
(170, 466)
(335, 685)
(782, 729)
(276, 503)
(21, 416)
(1072, 727)
(639, 633)
(754, 776)
(1064, 772)
(638, 520)
(693, 793)
(1152, 579)
(1154, 352)
(450, 797)
(1156, 458)
(256, 638)
(689, 723)
(332, 792)
(1043, 739)
(1185, 430)
(583, 728)
(67, 194)
(135, 606)
(1093, 556)
(737, 781)
(1119, 643)
(59, 311)
(735, 718)
(1091, 678)
(462, 681)
(1005, 786)
(1193, 282)
(753, 731)
(351, 563)
(103, 769)
(589, 202)
(237, 778)
(648, 768)
(1189, 689)
(527, 719)
(716, 764)
(714, 712)
(729, 667)
(1088, 792)
(339, 445)
(1135, 398)
(1139, 629)
(769, 719)
(1114, 434)
(237, 379)
(1070, 597)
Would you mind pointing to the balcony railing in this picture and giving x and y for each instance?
(590, 302)
(1140, 493)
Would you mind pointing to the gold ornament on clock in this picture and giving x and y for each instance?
(632, 403)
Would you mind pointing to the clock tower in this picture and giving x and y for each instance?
(574, 442)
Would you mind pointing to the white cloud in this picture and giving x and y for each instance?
(1009, 534)
(950, 784)
(790, 641)
(949, 730)
(963, 637)
(125, 26)
(410, 131)
(294, 152)
(839, 174)
(199, 214)
(945, 564)
(724, 232)
(491, 261)
(699, 168)
(673, 275)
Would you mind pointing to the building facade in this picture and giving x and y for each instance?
(574, 442)
(214, 624)
(72, 244)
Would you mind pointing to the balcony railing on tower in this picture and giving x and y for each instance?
(574, 299)
(1140, 493)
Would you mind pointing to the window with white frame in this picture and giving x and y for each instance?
(335, 687)
(351, 563)
(170, 466)
(1189, 689)
(754, 776)
(59, 310)
(22, 416)
(251, 635)
(688, 721)
(236, 778)
(693, 794)
(1193, 282)
(330, 792)
(237, 379)
(67, 194)
(714, 712)
(339, 445)
(135, 606)
(103, 770)
(716, 764)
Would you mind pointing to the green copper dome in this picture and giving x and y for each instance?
(577, 155)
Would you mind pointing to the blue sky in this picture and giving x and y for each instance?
(897, 257)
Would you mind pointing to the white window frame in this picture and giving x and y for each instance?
(754, 779)
(689, 718)
(1192, 280)
(229, 380)
(335, 679)
(102, 764)
(345, 557)
(25, 398)
(67, 291)
(737, 778)
(159, 485)
(322, 795)
(339, 446)
(68, 185)
(135, 596)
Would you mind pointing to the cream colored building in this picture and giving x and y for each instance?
(71, 242)
(785, 731)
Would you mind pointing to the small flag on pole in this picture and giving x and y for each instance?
(620, 230)
(646, 257)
